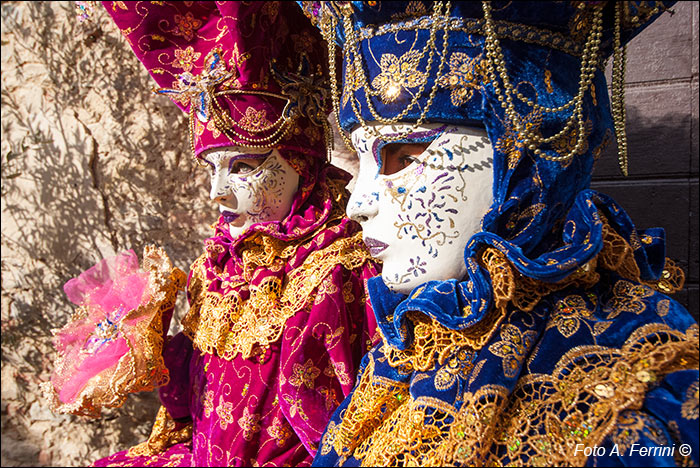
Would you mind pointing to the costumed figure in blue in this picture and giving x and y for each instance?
(524, 317)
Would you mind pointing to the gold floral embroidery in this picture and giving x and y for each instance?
(663, 307)
(629, 426)
(580, 402)
(414, 8)
(313, 133)
(326, 288)
(280, 431)
(329, 397)
(185, 58)
(186, 25)
(328, 438)
(295, 407)
(567, 142)
(304, 42)
(458, 366)
(512, 146)
(513, 348)
(208, 402)
(249, 423)
(536, 423)
(689, 409)
(211, 126)
(528, 214)
(337, 369)
(304, 374)
(254, 121)
(627, 297)
(467, 75)
(225, 412)
(398, 74)
(271, 9)
(567, 314)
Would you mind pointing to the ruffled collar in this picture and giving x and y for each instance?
(499, 273)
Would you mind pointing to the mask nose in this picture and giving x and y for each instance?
(362, 206)
(221, 191)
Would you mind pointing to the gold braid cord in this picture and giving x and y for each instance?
(227, 326)
(139, 370)
(166, 432)
(384, 426)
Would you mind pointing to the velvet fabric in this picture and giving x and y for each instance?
(530, 349)
(268, 406)
(532, 195)
(278, 320)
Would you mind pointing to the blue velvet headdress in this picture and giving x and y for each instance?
(535, 82)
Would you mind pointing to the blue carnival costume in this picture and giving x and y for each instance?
(559, 347)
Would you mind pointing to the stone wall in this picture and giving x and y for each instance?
(93, 163)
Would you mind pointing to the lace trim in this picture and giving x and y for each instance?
(227, 326)
(166, 432)
(579, 403)
(136, 371)
(538, 423)
(373, 399)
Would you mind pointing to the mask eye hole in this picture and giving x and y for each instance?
(242, 166)
(398, 156)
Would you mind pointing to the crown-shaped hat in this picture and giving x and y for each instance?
(250, 74)
(423, 61)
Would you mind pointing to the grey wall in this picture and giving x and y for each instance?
(662, 131)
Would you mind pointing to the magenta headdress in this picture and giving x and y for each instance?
(249, 74)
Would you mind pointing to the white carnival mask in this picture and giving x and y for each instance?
(421, 199)
(250, 185)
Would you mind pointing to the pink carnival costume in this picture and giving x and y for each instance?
(278, 320)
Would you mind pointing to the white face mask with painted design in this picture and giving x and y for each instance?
(420, 200)
(250, 185)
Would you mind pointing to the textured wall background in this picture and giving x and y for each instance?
(662, 136)
(93, 163)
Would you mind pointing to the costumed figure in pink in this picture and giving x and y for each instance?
(278, 319)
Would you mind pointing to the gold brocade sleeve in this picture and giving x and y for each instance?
(141, 368)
